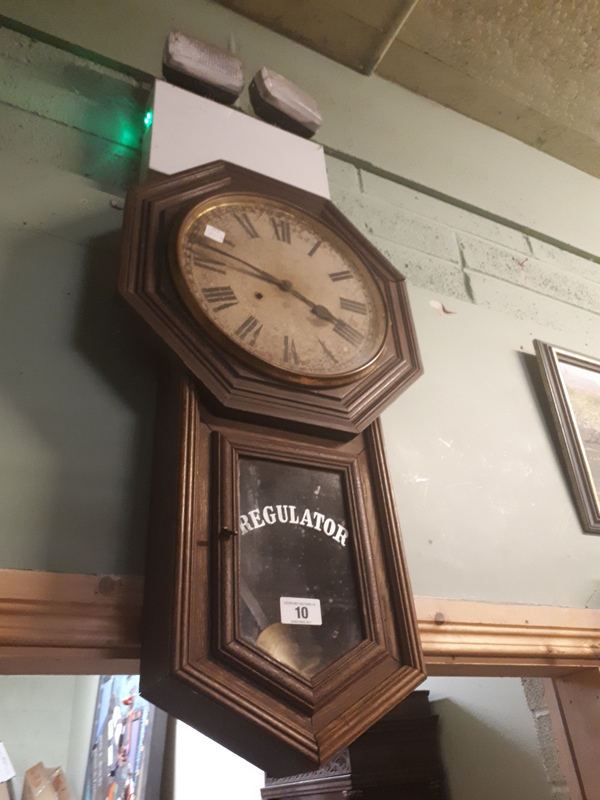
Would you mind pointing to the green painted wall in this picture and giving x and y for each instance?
(76, 389)
(366, 117)
(488, 740)
(483, 502)
(484, 506)
(48, 719)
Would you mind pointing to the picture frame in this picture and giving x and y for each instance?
(127, 743)
(572, 384)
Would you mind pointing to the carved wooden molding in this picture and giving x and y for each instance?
(468, 638)
(83, 624)
(63, 623)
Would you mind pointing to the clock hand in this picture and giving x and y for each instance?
(242, 271)
(318, 310)
(260, 273)
(346, 331)
(286, 286)
(324, 313)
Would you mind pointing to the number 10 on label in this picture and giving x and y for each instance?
(300, 610)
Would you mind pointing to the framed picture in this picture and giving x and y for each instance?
(572, 382)
(127, 743)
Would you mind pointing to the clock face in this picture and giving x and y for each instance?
(279, 288)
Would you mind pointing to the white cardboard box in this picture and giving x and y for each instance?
(188, 130)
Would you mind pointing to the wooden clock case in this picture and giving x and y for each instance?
(398, 758)
(152, 212)
(195, 663)
(214, 411)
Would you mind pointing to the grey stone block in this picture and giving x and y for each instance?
(377, 219)
(58, 153)
(444, 212)
(521, 303)
(529, 273)
(342, 174)
(534, 694)
(569, 262)
(58, 85)
(425, 271)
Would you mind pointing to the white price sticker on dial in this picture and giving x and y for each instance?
(214, 233)
(7, 770)
(300, 610)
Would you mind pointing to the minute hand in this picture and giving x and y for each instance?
(320, 311)
(260, 273)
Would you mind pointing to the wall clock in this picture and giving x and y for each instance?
(278, 615)
(280, 289)
(304, 322)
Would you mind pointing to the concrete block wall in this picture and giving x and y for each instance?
(463, 254)
(536, 700)
(76, 393)
(484, 501)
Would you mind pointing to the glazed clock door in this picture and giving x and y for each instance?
(299, 598)
(280, 619)
(292, 574)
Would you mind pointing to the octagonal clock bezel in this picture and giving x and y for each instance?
(238, 388)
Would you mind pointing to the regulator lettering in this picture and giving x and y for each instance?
(290, 515)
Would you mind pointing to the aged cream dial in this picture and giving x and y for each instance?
(279, 288)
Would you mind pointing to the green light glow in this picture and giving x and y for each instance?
(148, 119)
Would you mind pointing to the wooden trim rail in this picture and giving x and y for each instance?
(468, 638)
(54, 623)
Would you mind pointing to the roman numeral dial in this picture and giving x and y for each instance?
(220, 297)
(281, 228)
(279, 289)
(353, 305)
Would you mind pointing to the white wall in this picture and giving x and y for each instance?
(204, 768)
(49, 719)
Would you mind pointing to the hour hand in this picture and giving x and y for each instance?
(323, 313)
(319, 311)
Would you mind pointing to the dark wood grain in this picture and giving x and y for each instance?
(398, 758)
(195, 663)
